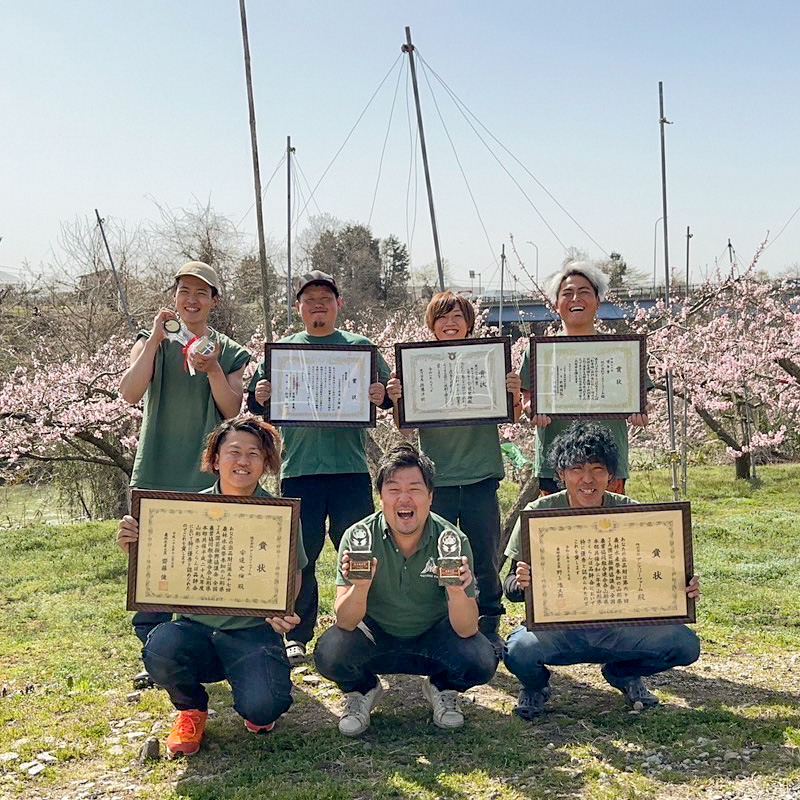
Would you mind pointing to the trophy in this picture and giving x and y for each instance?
(449, 561)
(360, 552)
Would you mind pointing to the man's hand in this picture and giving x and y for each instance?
(377, 393)
(283, 624)
(157, 333)
(523, 575)
(693, 588)
(465, 573)
(363, 583)
(263, 392)
(514, 385)
(540, 420)
(394, 388)
(127, 532)
(640, 420)
(207, 363)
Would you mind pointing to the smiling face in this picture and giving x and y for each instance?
(577, 303)
(240, 462)
(406, 502)
(451, 325)
(585, 484)
(318, 307)
(193, 300)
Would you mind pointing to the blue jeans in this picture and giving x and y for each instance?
(183, 655)
(474, 508)
(353, 660)
(628, 652)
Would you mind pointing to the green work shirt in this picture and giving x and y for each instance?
(237, 623)
(323, 451)
(557, 500)
(179, 413)
(405, 598)
(545, 436)
(463, 454)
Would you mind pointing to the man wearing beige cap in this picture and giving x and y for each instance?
(325, 467)
(181, 408)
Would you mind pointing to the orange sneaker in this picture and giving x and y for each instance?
(187, 733)
(258, 728)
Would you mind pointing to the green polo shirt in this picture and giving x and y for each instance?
(545, 436)
(405, 598)
(237, 623)
(463, 454)
(557, 500)
(179, 412)
(323, 451)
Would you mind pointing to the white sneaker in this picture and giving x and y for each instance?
(357, 708)
(446, 705)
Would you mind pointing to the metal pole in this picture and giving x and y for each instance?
(123, 301)
(262, 246)
(655, 250)
(408, 47)
(685, 432)
(502, 273)
(289, 151)
(670, 393)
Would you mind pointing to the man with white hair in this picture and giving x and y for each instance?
(576, 291)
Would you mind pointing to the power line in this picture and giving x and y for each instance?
(461, 105)
(383, 149)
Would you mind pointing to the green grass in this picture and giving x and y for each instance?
(66, 654)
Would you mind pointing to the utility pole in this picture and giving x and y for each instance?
(502, 273)
(289, 151)
(663, 121)
(684, 437)
(123, 300)
(262, 245)
(408, 47)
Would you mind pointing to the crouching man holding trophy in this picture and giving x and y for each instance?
(405, 602)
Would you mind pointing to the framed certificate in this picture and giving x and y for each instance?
(599, 567)
(321, 384)
(454, 383)
(588, 376)
(213, 554)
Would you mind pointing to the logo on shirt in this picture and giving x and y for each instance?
(430, 570)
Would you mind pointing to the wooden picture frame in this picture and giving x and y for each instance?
(605, 567)
(590, 377)
(476, 370)
(188, 558)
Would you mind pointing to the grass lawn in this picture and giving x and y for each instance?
(729, 726)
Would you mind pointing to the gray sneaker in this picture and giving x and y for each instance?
(531, 702)
(446, 705)
(357, 708)
(633, 690)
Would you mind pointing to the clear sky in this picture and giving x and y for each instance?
(110, 104)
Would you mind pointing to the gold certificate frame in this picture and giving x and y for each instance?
(454, 383)
(603, 567)
(320, 385)
(213, 554)
(600, 376)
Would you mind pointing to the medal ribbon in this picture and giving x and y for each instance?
(186, 350)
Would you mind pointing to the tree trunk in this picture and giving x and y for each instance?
(527, 494)
(742, 464)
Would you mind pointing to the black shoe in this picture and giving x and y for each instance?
(143, 681)
(530, 702)
(633, 690)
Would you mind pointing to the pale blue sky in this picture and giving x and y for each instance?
(105, 104)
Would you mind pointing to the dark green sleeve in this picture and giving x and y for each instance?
(525, 369)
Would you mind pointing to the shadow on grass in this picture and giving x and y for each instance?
(404, 755)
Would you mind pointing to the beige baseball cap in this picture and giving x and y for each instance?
(200, 270)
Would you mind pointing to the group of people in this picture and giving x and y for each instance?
(399, 618)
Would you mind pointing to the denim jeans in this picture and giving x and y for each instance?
(354, 659)
(343, 500)
(183, 655)
(627, 651)
(474, 508)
